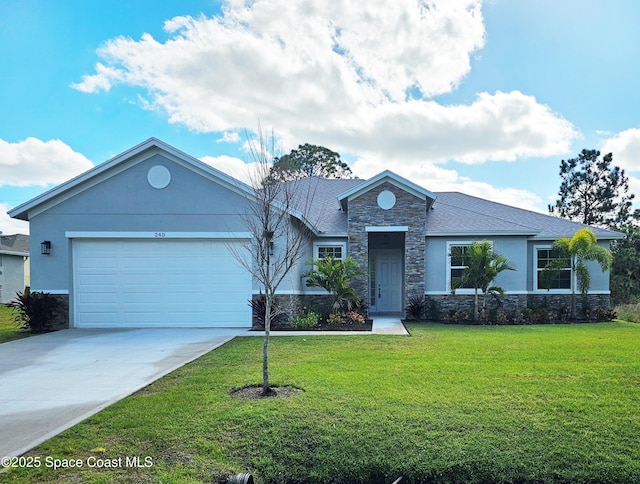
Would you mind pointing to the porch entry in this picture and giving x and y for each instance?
(386, 272)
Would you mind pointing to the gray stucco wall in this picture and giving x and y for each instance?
(513, 248)
(127, 203)
(12, 276)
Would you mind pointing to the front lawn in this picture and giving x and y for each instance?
(551, 403)
(9, 330)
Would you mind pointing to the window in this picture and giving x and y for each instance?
(337, 251)
(543, 257)
(458, 262)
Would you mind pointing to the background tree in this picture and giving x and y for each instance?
(483, 265)
(309, 160)
(625, 268)
(593, 191)
(574, 253)
(278, 240)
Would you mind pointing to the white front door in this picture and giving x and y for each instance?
(388, 280)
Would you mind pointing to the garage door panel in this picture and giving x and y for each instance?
(144, 283)
(105, 263)
(98, 298)
(100, 319)
(97, 279)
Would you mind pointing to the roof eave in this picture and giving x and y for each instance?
(611, 236)
(22, 211)
(14, 252)
(482, 233)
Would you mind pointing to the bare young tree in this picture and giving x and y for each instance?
(277, 222)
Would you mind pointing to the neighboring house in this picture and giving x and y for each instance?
(147, 239)
(14, 265)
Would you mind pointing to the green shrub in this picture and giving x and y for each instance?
(435, 310)
(335, 276)
(417, 307)
(459, 316)
(36, 310)
(355, 317)
(336, 318)
(348, 317)
(306, 320)
(604, 314)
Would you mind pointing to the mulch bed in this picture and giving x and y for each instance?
(323, 326)
(254, 392)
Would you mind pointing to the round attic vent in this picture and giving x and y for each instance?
(159, 177)
(386, 200)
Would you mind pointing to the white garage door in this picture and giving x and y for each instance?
(159, 283)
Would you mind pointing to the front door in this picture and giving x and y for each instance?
(388, 288)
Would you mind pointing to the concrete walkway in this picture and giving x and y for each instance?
(388, 325)
(52, 381)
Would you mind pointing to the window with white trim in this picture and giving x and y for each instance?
(544, 255)
(458, 262)
(335, 250)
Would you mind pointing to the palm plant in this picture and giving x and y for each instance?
(483, 265)
(335, 275)
(573, 254)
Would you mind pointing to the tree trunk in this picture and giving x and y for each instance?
(476, 313)
(573, 289)
(266, 390)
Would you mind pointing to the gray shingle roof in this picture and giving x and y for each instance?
(14, 243)
(320, 195)
(453, 213)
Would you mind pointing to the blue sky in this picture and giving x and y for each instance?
(480, 97)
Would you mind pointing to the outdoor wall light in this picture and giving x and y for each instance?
(45, 247)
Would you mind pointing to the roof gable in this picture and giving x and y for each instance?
(392, 178)
(118, 164)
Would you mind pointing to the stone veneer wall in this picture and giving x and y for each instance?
(465, 302)
(408, 210)
(61, 314)
(555, 301)
(517, 302)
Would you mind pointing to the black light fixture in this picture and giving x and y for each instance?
(45, 247)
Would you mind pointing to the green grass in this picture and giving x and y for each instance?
(8, 328)
(552, 403)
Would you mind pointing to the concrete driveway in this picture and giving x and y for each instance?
(52, 381)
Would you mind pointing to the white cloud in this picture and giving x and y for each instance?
(625, 147)
(235, 167)
(634, 187)
(229, 137)
(8, 225)
(359, 77)
(37, 162)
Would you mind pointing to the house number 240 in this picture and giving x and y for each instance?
(159, 235)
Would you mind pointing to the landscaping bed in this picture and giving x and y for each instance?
(326, 326)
